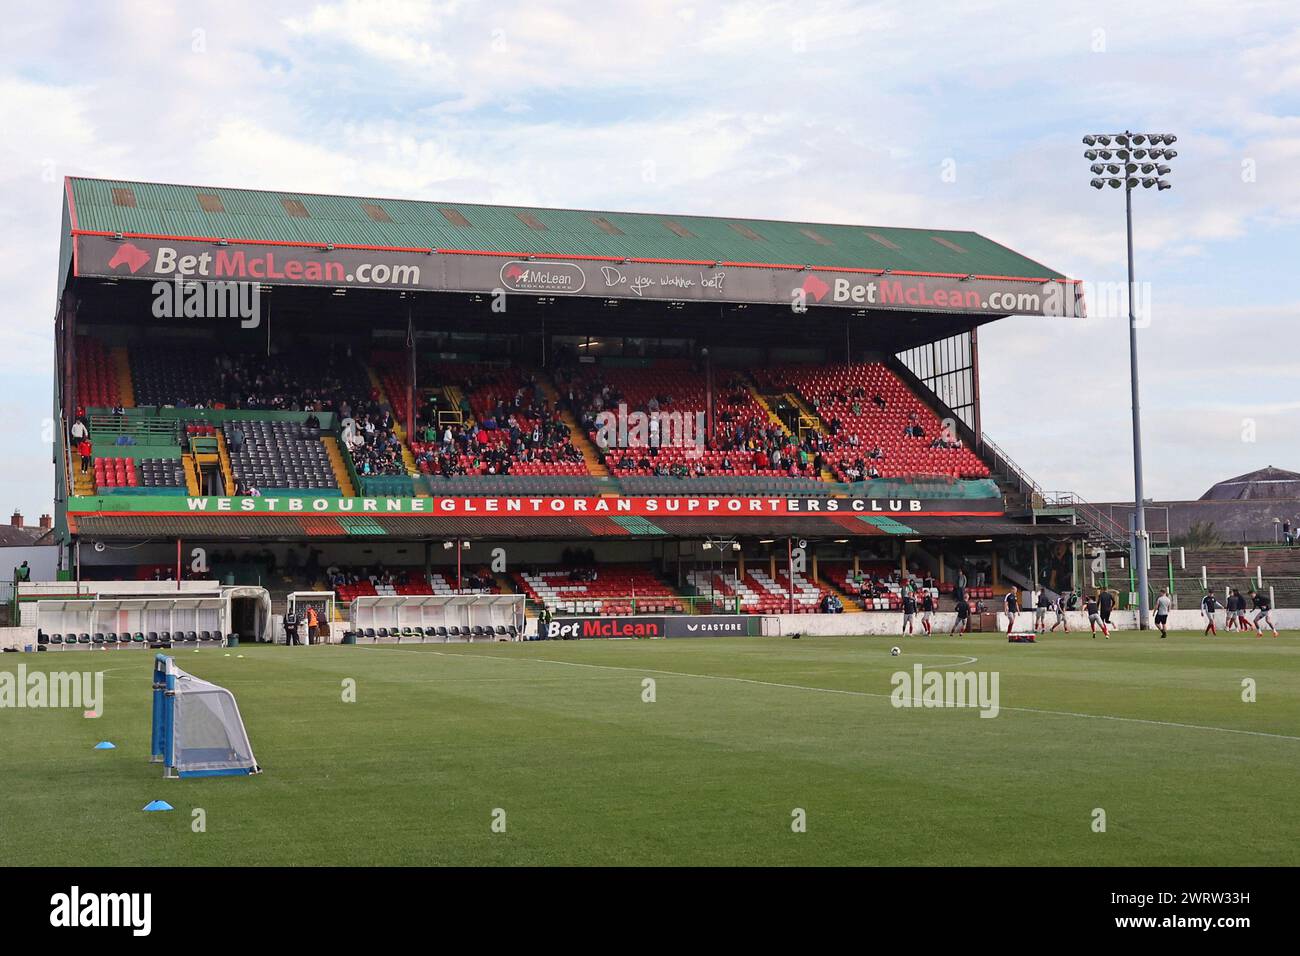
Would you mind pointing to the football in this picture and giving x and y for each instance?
(895, 651)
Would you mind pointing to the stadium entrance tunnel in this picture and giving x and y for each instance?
(250, 613)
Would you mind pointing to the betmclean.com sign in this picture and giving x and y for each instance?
(535, 507)
(800, 288)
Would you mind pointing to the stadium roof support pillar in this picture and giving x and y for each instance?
(975, 388)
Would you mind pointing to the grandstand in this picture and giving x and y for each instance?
(803, 395)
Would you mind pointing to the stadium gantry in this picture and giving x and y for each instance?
(600, 413)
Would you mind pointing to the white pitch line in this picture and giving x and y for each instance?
(884, 696)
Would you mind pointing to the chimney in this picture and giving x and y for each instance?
(17, 520)
(47, 522)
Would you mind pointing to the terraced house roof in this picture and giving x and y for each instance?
(98, 206)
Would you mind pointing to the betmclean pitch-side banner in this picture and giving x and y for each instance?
(171, 260)
(576, 628)
(535, 507)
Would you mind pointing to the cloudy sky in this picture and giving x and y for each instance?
(962, 116)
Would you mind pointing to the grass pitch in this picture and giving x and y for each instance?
(741, 733)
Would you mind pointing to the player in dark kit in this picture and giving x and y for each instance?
(1263, 612)
(1012, 604)
(1242, 623)
(1094, 617)
(1060, 606)
(1208, 606)
(909, 612)
(927, 609)
(1106, 602)
(961, 623)
(1230, 605)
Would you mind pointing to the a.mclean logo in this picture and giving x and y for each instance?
(77, 909)
(129, 255)
(562, 277)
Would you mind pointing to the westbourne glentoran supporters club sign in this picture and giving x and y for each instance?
(534, 506)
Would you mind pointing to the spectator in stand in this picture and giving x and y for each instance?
(79, 430)
(84, 449)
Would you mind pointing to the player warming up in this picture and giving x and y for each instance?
(927, 609)
(1242, 623)
(1263, 612)
(1163, 606)
(1094, 617)
(1059, 606)
(1012, 606)
(909, 612)
(961, 620)
(1208, 607)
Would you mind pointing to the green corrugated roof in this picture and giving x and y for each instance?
(888, 525)
(162, 209)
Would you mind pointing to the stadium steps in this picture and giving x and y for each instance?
(456, 399)
(399, 428)
(223, 458)
(122, 371)
(590, 454)
(772, 416)
(83, 483)
(812, 420)
(339, 466)
(852, 605)
(192, 486)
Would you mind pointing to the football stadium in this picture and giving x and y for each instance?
(483, 535)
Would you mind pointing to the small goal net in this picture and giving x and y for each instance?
(197, 728)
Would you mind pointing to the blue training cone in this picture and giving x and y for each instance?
(105, 745)
(157, 806)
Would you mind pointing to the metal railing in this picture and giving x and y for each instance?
(1006, 465)
(106, 429)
